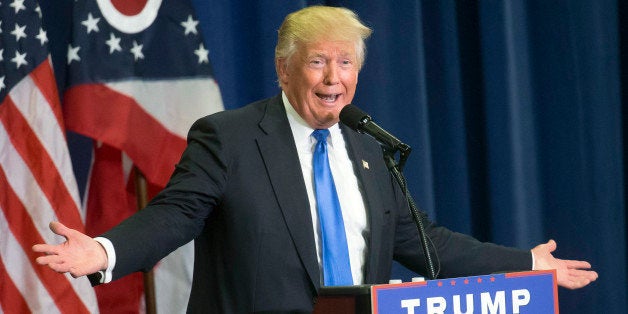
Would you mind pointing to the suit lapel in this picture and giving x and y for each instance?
(365, 158)
(280, 156)
(278, 150)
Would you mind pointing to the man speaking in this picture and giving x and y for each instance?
(282, 199)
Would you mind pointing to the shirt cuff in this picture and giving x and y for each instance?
(105, 275)
(533, 262)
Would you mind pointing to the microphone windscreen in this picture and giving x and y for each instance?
(353, 116)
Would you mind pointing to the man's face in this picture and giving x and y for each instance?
(319, 80)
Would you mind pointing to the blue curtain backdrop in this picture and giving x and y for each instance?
(513, 109)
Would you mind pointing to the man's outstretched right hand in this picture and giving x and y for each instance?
(79, 255)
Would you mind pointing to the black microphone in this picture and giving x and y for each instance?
(361, 122)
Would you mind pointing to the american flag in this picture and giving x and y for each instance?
(37, 184)
(139, 76)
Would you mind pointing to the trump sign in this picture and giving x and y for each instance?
(523, 292)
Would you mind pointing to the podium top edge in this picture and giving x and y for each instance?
(343, 290)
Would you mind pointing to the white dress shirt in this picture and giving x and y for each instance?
(347, 186)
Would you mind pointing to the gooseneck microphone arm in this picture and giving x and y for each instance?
(361, 122)
(416, 214)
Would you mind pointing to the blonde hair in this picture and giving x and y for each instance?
(316, 23)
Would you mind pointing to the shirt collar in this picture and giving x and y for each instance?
(301, 130)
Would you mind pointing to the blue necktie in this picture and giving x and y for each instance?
(336, 265)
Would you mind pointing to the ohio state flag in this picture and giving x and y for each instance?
(139, 76)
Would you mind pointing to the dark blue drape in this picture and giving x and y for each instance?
(513, 109)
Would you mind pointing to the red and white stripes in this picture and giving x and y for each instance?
(37, 186)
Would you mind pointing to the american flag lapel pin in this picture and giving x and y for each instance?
(365, 164)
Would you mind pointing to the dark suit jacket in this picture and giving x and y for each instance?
(238, 191)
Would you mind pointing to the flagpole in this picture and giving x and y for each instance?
(149, 277)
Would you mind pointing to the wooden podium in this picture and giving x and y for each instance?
(344, 300)
(521, 292)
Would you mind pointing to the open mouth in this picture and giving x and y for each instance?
(328, 97)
